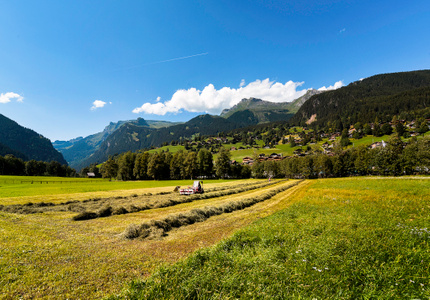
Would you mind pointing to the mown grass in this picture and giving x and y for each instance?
(158, 228)
(48, 255)
(347, 238)
(23, 186)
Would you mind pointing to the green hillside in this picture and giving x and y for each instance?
(26, 143)
(406, 94)
(78, 150)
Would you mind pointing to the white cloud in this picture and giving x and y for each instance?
(6, 98)
(98, 104)
(337, 85)
(342, 30)
(211, 100)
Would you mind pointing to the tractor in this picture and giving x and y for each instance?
(197, 188)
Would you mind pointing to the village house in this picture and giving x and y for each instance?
(378, 145)
(247, 161)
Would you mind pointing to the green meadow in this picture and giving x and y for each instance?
(343, 238)
(33, 186)
(353, 238)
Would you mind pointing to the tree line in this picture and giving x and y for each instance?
(11, 165)
(164, 165)
(394, 159)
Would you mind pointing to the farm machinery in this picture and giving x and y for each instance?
(197, 188)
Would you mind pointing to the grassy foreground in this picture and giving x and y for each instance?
(344, 238)
(45, 254)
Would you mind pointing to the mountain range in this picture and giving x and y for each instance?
(140, 134)
(380, 97)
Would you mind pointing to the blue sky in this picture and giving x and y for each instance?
(68, 68)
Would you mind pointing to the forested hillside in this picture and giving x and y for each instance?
(77, 150)
(406, 94)
(26, 143)
(131, 137)
(261, 111)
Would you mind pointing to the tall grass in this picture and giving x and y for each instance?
(346, 239)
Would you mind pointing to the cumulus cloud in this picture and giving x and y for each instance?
(98, 104)
(211, 100)
(337, 85)
(7, 97)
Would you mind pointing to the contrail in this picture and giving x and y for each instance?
(167, 60)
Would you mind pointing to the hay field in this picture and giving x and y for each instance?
(45, 253)
(346, 238)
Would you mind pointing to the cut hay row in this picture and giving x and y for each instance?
(158, 228)
(75, 205)
(109, 210)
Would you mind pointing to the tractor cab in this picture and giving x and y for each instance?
(197, 188)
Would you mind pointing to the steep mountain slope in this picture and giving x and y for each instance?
(379, 96)
(77, 150)
(26, 143)
(134, 136)
(265, 111)
(296, 104)
(131, 137)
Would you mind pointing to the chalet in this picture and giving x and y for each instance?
(91, 175)
(298, 152)
(351, 131)
(378, 145)
(233, 148)
(247, 161)
(411, 125)
(333, 137)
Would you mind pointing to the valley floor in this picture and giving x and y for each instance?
(331, 238)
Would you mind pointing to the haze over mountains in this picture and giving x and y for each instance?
(380, 96)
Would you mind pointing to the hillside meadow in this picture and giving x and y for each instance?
(361, 237)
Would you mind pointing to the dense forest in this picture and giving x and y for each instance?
(405, 94)
(395, 157)
(11, 165)
(26, 143)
